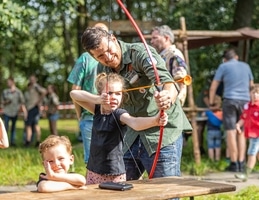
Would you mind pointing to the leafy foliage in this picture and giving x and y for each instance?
(41, 36)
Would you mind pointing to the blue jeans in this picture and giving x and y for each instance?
(85, 126)
(168, 163)
(53, 117)
(13, 126)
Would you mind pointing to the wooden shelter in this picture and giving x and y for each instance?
(197, 39)
(190, 39)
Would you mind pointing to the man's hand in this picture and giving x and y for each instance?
(239, 131)
(163, 99)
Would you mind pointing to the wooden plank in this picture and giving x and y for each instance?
(125, 26)
(152, 189)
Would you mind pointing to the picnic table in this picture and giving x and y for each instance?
(152, 189)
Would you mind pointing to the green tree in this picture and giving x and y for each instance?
(43, 36)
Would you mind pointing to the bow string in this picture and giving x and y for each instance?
(158, 83)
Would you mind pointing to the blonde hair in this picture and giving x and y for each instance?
(54, 140)
(254, 88)
(218, 101)
(102, 78)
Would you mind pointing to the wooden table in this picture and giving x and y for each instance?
(152, 189)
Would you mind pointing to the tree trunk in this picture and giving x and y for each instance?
(82, 23)
(243, 18)
(190, 98)
(69, 59)
(243, 14)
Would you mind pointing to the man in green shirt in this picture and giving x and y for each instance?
(133, 63)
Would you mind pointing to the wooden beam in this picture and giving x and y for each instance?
(190, 98)
(125, 26)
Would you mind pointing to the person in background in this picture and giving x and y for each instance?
(202, 101)
(132, 62)
(82, 77)
(4, 142)
(51, 103)
(57, 157)
(214, 133)
(13, 100)
(33, 100)
(162, 39)
(249, 120)
(109, 127)
(237, 79)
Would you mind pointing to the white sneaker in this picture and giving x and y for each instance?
(243, 177)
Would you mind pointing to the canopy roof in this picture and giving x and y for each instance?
(195, 38)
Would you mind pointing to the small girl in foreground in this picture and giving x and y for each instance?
(109, 126)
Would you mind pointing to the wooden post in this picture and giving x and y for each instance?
(190, 98)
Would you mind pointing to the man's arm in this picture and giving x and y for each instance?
(77, 106)
(239, 125)
(251, 85)
(42, 92)
(24, 110)
(213, 88)
(182, 93)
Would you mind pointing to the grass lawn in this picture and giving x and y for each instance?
(21, 166)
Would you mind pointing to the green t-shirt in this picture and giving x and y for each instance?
(84, 74)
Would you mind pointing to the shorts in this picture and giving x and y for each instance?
(253, 147)
(33, 116)
(214, 139)
(232, 110)
(53, 117)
